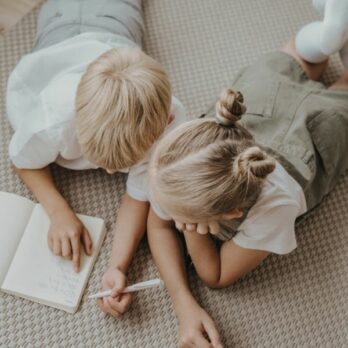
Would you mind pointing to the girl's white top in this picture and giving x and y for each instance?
(270, 223)
(41, 106)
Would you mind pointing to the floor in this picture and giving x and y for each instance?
(293, 301)
(12, 11)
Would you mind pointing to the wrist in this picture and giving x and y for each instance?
(183, 300)
(59, 208)
(118, 266)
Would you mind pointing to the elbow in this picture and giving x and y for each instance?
(214, 285)
(219, 283)
(18, 171)
(212, 282)
(15, 168)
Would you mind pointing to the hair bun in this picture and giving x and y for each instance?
(230, 107)
(255, 161)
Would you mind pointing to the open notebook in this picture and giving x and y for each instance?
(28, 268)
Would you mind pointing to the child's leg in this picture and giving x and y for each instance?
(342, 82)
(121, 17)
(60, 20)
(313, 70)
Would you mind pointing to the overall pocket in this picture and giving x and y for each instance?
(329, 133)
(259, 98)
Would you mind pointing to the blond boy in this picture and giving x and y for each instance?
(88, 97)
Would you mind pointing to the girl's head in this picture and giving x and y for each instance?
(207, 168)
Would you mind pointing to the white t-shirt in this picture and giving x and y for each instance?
(270, 223)
(41, 106)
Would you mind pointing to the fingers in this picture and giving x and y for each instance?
(202, 228)
(120, 306)
(110, 308)
(105, 307)
(179, 225)
(57, 247)
(87, 242)
(115, 307)
(213, 334)
(101, 305)
(50, 241)
(195, 340)
(214, 227)
(191, 227)
(66, 248)
(120, 284)
(76, 253)
(126, 300)
(201, 342)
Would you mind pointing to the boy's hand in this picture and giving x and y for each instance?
(195, 326)
(117, 303)
(65, 236)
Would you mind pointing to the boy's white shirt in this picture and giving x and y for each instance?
(270, 223)
(41, 102)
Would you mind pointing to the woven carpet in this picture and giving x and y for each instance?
(298, 300)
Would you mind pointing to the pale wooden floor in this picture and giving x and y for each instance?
(12, 11)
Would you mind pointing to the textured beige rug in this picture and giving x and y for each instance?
(299, 300)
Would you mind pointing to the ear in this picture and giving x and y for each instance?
(233, 214)
(171, 118)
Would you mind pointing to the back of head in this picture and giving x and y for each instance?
(208, 167)
(122, 107)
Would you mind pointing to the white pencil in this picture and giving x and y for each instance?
(135, 287)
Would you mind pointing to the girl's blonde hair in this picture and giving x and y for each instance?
(122, 107)
(208, 167)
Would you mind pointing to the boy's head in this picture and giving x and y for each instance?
(122, 107)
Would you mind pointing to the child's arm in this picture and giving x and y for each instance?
(165, 248)
(129, 230)
(219, 268)
(66, 231)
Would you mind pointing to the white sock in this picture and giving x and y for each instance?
(308, 44)
(335, 32)
(318, 40)
(319, 5)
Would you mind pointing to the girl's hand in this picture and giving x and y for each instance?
(195, 325)
(65, 236)
(117, 303)
(212, 227)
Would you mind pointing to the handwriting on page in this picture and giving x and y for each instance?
(63, 281)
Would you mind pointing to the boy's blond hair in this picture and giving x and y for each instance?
(122, 107)
(208, 167)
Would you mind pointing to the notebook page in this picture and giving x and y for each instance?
(37, 274)
(15, 212)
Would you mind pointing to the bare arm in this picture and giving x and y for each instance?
(193, 320)
(220, 268)
(66, 230)
(40, 183)
(166, 250)
(205, 256)
(129, 230)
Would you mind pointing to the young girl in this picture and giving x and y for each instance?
(271, 153)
